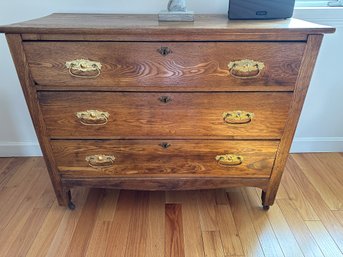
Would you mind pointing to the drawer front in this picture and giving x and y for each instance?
(162, 157)
(183, 115)
(176, 66)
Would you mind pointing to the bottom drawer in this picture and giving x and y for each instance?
(206, 158)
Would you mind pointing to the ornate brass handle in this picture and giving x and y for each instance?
(237, 117)
(229, 159)
(93, 117)
(163, 50)
(100, 161)
(80, 68)
(245, 69)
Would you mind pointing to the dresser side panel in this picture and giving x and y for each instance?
(301, 87)
(19, 58)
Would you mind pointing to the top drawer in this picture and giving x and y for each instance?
(166, 66)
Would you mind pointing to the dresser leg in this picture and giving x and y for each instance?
(71, 205)
(264, 202)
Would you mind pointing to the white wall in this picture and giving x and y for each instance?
(321, 124)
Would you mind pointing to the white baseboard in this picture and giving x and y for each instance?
(15, 149)
(300, 145)
(317, 144)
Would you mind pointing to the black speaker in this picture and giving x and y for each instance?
(260, 9)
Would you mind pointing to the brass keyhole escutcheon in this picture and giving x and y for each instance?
(165, 99)
(163, 50)
(165, 145)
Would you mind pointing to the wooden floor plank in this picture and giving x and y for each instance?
(281, 193)
(8, 167)
(245, 227)
(298, 199)
(228, 232)
(333, 163)
(156, 224)
(191, 223)
(318, 177)
(85, 225)
(43, 240)
(174, 242)
(12, 225)
(323, 239)
(22, 184)
(99, 240)
(267, 238)
(327, 167)
(283, 232)
(119, 231)
(29, 231)
(65, 231)
(108, 205)
(106, 210)
(212, 244)
(138, 226)
(300, 231)
(207, 210)
(339, 216)
(319, 205)
(221, 197)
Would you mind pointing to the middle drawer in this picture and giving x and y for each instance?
(189, 115)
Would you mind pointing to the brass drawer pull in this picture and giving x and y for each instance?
(80, 67)
(229, 160)
(164, 99)
(245, 69)
(237, 117)
(100, 161)
(163, 50)
(93, 117)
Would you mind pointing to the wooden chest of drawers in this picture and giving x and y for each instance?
(122, 101)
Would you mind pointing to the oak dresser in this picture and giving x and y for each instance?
(126, 102)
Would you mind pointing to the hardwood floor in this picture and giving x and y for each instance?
(306, 220)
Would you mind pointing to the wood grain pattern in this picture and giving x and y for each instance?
(141, 25)
(299, 228)
(163, 183)
(21, 64)
(166, 36)
(136, 242)
(119, 230)
(40, 227)
(319, 206)
(302, 84)
(201, 65)
(174, 242)
(135, 115)
(80, 240)
(212, 244)
(298, 199)
(262, 226)
(181, 158)
(245, 227)
(156, 224)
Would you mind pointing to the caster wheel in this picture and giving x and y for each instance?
(71, 206)
(266, 207)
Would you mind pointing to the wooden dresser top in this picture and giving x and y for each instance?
(67, 23)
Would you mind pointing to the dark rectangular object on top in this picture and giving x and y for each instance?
(260, 9)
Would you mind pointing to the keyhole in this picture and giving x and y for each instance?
(164, 99)
(164, 145)
(164, 50)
